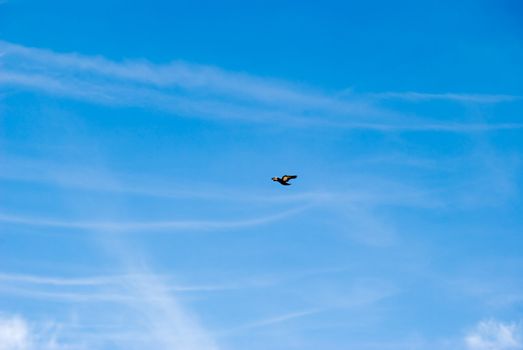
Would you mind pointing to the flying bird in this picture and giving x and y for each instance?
(284, 179)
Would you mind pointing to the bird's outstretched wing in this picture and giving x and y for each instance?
(286, 178)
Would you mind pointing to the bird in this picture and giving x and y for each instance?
(284, 179)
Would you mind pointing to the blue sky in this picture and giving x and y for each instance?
(137, 144)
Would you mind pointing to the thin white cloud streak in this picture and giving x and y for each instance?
(85, 178)
(59, 281)
(455, 97)
(273, 320)
(113, 297)
(110, 288)
(203, 91)
(363, 294)
(101, 281)
(68, 297)
(126, 226)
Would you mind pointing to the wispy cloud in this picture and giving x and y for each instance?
(361, 294)
(60, 281)
(273, 320)
(100, 281)
(455, 97)
(171, 326)
(494, 335)
(67, 297)
(87, 178)
(180, 88)
(126, 226)
(364, 190)
(159, 322)
(191, 90)
(114, 294)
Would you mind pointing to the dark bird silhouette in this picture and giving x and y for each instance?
(284, 179)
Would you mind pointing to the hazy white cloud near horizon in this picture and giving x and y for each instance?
(493, 335)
